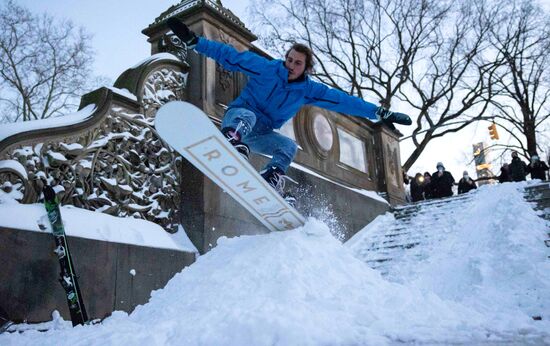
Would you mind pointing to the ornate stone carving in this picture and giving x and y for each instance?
(225, 78)
(172, 44)
(161, 86)
(120, 166)
(393, 164)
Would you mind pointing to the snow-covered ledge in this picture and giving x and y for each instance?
(96, 226)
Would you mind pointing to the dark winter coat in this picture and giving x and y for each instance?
(466, 185)
(271, 96)
(427, 188)
(504, 175)
(518, 169)
(416, 191)
(538, 170)
(442, 186)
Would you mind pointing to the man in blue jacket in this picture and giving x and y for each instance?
(275, 91)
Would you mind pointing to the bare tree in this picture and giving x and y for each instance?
(452, 85)
(45, 65)
(364, 47)
(426, 53)
(523, 45)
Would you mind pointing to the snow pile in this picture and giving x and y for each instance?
(303, 287)
(493, 258)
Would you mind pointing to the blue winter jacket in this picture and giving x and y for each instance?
(269, 94)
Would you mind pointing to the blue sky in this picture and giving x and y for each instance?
(116, 26)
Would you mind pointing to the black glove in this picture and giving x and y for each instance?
(182, 32)
(388, 117)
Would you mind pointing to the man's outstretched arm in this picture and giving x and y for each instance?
(336, 100)
(247, 62)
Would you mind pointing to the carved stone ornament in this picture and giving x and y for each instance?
(225, 77)
(161, 86)
(393, 166)
(118, 165)
(170, 43)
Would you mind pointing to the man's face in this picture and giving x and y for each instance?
(295, 63)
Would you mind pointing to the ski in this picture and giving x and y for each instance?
(68, 278)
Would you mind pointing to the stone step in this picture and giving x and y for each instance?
(428, 209)
(433, 202)
(382, 261)
(390, 248)
(537, 194)
(402, 237)
(542, 185)
(427, 217)
(540, 201)
(397, 246)
(435, 216)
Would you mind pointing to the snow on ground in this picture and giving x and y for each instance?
(303, 287)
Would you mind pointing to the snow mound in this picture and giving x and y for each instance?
(300, 287)
(491, 257)
(496, 261)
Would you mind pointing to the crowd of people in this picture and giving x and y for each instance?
(440, 183)
(518, 170)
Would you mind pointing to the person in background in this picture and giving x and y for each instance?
(407, 181)
(518, 168)
(427, 188)
(442, 182)
(417, 187)
(504, 174)
(537, 168)
(466, 184)
(406, 178)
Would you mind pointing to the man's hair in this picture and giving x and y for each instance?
(302, 48)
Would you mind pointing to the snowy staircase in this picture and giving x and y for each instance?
(539, 196)
(386, 246)
(417, 228)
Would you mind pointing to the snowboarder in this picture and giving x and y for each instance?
(274, 93)
(537, 168)
(442, 182)
(466, 184)
(518, 168)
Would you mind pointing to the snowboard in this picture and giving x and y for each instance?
(189, 131)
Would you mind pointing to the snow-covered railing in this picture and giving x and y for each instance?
(107, 156)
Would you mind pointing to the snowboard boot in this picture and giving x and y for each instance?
(389, 118)
(235, 139)
(276, 178)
